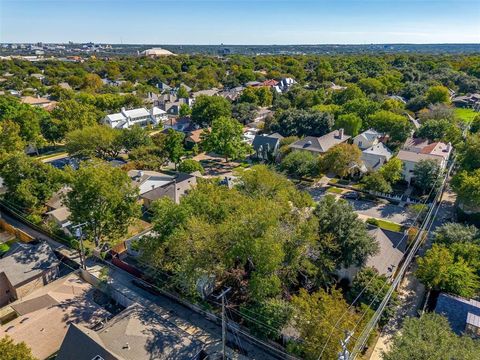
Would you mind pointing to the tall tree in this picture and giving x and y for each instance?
(10, 139)
(208, 108)
(173, 146)
(352, 123)
(392, 170)
(353, 243)
(340, 159)
(426, 173)
(103, 198)
(98, 140)
(430, 337)
(225, 138)
(438, 94)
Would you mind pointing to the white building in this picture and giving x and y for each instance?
(141, 117)
(367, 139)
(374, 157)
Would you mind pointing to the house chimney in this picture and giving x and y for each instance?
(340, 133)
(449, 147)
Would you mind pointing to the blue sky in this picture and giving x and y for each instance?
(241, 21)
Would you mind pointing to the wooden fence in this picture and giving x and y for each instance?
(19, 234)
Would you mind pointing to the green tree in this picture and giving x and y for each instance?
(208, 108)
(452, 233)
(244, 112)
(13, 351)
(430, 337)
(340, 159)
(426, 173)
(301, 123)
(376, 182)
(300, 164)
(439, 270)
(440, 130)
(475, 125)
(392, 170)
(94, 141)
(470, 153)
(352, 123)
(185, 110)
(173, 146)
(225, 138)
(260, 96)
(30, 183)
(103, 198)
(10, 139)
(352, 92)
(397, 126)
(134, 137)
(353, 243)
(370, 288)
(92, 82)
(182, 92)
(312, 317)
(437, 94)
(189, 166)
(467, 186)
(372, 86)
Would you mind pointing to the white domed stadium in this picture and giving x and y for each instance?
(155, 52)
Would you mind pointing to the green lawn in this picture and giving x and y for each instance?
(335, 190)
(387, 225)
(465, 115)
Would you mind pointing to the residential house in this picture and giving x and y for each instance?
(42, 318)
(141, 117)
(25, 268)
(374, 157)
(137, 333)
(392, 247)
(284, 85)
(40, 102)
(467, 101)
(266, 146)
(462, 314)
(320, 145)
(232, 94)
(193, 138)
(154, 185)
(416, 150)
(60, 217)
(367, 139)
(208, 92)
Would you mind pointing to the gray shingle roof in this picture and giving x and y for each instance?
(322, 143)
(265, 140)
(456, 310)
(25, 261)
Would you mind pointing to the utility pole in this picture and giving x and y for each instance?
(345, 354)
(224, 322)
(79, 235)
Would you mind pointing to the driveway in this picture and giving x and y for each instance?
(389, 212)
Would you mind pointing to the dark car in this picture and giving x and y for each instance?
(353, 195)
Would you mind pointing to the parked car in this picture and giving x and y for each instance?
(353, 195)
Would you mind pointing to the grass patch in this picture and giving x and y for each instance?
(333, 181)
(334, 190)
(466, 115)
(387, 225)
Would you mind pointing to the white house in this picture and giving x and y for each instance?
(141, 117)
(367, 139)
(374, 157)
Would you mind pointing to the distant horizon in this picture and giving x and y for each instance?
(241, 22)
(239, 44)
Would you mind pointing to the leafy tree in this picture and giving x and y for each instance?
(244, 112)
(301, 123)
(300, 164)
(148, 157)
(439, 270)
(182, 92)
(275, 313)
(475, 125)
(185, 110)
(98, 140)
(470, 153)
(437, 94)
(103, 198)
(173, 146)
(362, 107)
(397, 126)
(208, 108)
(350, 122)
(225, 138)
(30, 183)
(10, 139)
(134, 137)
(312, 317)
(340, 159)
(426, 173)
(440, 130)
(260, 96)
(430, 337)
(353, 243)
(13, 351)
(467, 186)
(370, 288)
(352, 92)
(392, 170)
(372, 86)
(189, 166)
(376, 182)
(92, 82)
(452, 233)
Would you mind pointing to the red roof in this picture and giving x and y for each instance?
(270, 83)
